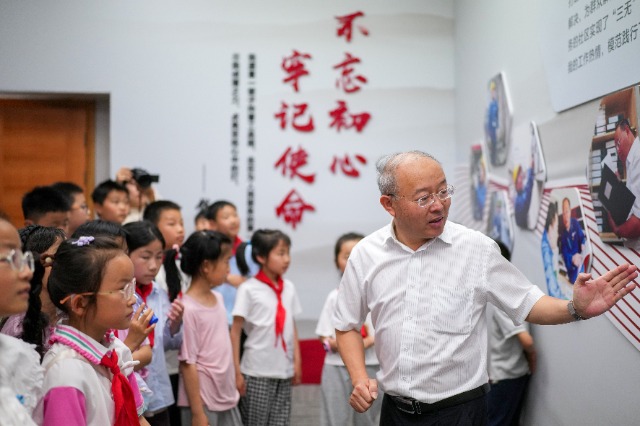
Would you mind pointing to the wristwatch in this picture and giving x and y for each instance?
(573, 313)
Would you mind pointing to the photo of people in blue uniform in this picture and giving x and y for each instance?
(527, 175)
(497, 124)
(499, 221)
(478, 182)
(565, 245)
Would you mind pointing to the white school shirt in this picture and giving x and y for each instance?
(428, 307)
(77, 369)
(325, 327)
(506, 356)
(263, 354)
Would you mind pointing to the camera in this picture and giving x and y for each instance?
(144, 178)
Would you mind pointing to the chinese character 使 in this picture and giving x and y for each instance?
(291, 161)
(292, 208)
(295, 68)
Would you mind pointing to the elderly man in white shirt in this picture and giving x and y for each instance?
(426, 282)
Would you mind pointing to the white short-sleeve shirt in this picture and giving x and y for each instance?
(263, 354)
(428, 307)
(326, 328)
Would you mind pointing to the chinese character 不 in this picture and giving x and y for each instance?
(299, 111)
(348, 82)
(346, 166)
(341, 119)
(291, 161)
(294, 66)
(346, 25)
(292, 208)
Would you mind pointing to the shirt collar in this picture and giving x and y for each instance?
(445, 237)
(85, 345)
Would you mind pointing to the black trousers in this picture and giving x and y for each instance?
(471, 413)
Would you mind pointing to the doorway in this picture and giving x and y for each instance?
(43, 141)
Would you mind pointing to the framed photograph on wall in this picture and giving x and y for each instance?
(565, 244)
(479, 182)
(498, 119)
(613, 171)
(527, 175)
(499, 219)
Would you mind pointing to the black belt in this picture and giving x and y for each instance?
(412, 406)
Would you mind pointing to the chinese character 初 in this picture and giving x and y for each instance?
(342, 119)
(292, 208)
(299, 111)
(346, 165)
(348, 82)
(291, 161)
(345, 25)
(294, 67)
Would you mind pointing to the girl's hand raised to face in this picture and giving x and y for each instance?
(139, 328)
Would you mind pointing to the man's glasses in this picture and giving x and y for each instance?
(427, 200)
(18, 260)
(127, 292)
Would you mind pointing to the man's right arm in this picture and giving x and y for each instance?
(365, 389)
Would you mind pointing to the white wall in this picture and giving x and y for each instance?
(587, 371)
(166, 68)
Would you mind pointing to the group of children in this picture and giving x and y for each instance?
(118, 323)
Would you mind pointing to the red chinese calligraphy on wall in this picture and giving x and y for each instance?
(295, 68)
(297, 119)
(346, 165)
(291, 161)
(292, 208)
(342, 119)
(345, 26)
(349, 82)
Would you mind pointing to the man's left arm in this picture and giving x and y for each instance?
(591, 297)
(629, 229)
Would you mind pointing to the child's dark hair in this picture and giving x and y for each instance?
(201, 246)
(69, 189)
(141, 233)
(349, 236)
(265, 240)
(80, 268)
(212, 211)
(37, 239)
(202, 207)
(101, 192)
(504, 250)
(152, 214)
(42, 200)
(154, 210)
(100, 228)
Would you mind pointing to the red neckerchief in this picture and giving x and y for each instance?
(236, 243)
(280, 311)
(364, 332)
(144, 290)
(125, 407)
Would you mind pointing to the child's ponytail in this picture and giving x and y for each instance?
(174, 280)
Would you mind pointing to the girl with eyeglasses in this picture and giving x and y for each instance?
(20, 372)
(89, 372)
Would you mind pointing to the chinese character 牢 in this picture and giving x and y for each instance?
(294, 66)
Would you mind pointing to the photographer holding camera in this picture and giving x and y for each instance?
(138, 182)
